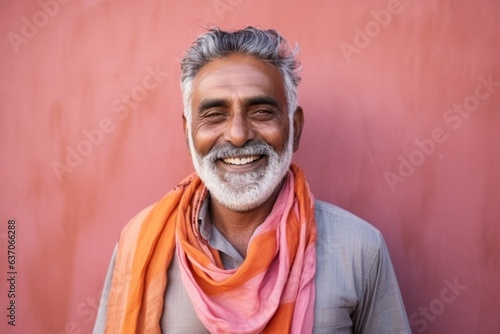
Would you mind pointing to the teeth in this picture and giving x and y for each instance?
(241, 161)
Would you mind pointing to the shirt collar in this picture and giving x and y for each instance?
(230, 257)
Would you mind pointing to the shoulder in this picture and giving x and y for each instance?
(133, 226)
(332, 217)
(341, 230)
(348, 251)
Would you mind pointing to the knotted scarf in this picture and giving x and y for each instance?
(271, 292)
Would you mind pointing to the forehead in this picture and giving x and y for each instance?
(238, 75)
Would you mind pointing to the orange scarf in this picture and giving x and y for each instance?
(276, 280)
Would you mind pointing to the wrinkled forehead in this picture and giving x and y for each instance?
(238, 75)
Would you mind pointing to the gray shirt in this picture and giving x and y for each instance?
(356, 288)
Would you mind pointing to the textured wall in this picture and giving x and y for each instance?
(402, 128)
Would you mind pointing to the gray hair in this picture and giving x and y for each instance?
(266, 45)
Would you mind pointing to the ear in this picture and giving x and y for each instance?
(298, 124)
(185, 125)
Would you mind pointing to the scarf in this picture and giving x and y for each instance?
(271, 292)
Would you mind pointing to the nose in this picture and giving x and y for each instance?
(239, 129)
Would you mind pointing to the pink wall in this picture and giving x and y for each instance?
(366, 107)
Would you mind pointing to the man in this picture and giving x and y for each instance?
(241, 246)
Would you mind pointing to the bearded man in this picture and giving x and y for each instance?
(242, 246)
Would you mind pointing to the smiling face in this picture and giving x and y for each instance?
(241, 135)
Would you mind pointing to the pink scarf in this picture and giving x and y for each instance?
(271, 292)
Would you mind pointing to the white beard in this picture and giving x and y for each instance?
(243, 191)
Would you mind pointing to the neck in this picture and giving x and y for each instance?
(238, 227)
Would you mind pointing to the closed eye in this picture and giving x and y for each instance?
(214, 116)
(263, 114)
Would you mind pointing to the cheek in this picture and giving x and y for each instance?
(204, 139)
(276, 137)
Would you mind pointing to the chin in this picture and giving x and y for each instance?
(244, 192)
(242, 203)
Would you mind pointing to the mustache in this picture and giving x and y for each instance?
(229, 150)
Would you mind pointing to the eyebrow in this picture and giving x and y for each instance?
(212, 103)
(258, 100)
(253, 101)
